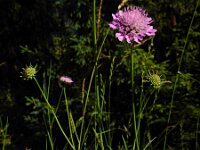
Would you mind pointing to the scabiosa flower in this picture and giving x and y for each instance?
(66, 79)
(132, 24)
(29, 72)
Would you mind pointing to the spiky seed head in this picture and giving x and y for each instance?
(29, 72)
(155, 80)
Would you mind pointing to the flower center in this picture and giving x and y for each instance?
(134, 21)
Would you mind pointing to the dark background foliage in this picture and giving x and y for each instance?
(58, 33)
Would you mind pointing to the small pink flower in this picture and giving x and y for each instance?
(66, 79)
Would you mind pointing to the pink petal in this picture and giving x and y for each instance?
(119, 36)
(66, 79)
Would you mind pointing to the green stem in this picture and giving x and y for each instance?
(94, 69)
(177, 75)
(136, 126)
(71, 127)
(53, 112)
(109, 98)
(89, 87)
(94, 24)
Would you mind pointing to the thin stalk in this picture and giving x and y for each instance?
(4, 135)
(72, 125)
(47, 118)
(132, 75)
(125, 143)
(90, 84)
(134, 110)
(177, 75)
(49, 81)
(142, 106)
(50, 140)
(96, 110)
(93, 71)
(50, 119)
(109, 98)
(69, 118)
(94, 24)
(53, 112)
(99, 18)
(49, 126)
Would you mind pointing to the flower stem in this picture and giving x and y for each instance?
(177, 75)
(54, 114)
(133, 103)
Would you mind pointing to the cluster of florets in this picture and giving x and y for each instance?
(132, 24)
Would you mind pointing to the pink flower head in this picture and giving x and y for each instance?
(66, 79)
(132, 24)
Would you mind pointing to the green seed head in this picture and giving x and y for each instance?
(155, 80)
(29, 72)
